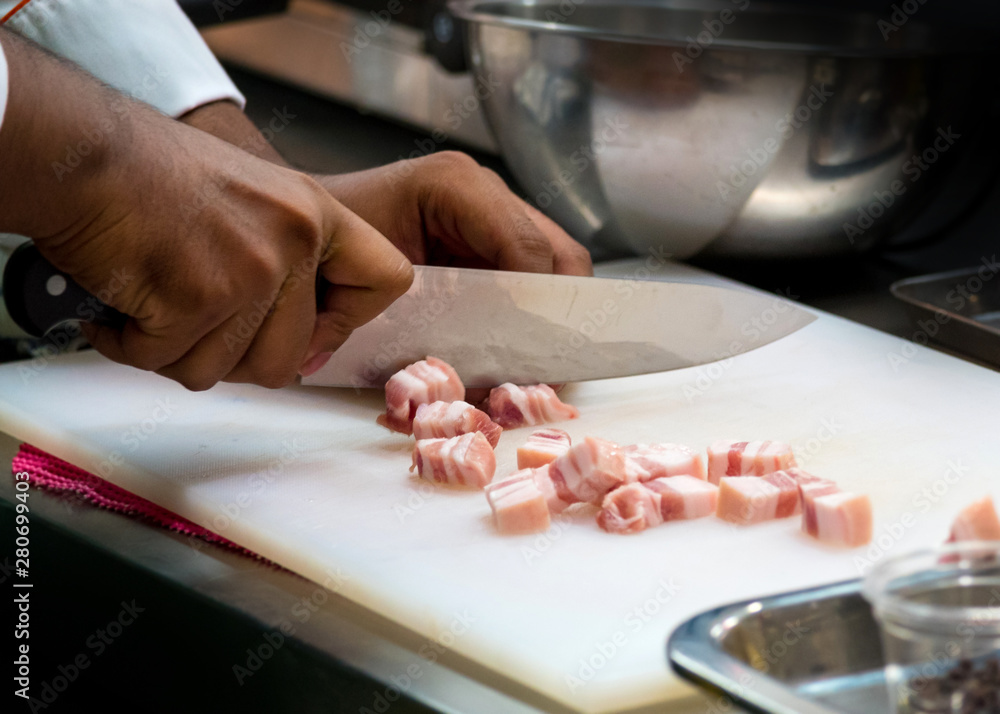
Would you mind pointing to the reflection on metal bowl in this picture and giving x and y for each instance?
(728, 129)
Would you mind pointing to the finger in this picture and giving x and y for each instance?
(152, 347)
(472, 206)
(568, 256)
(366, 274)
(279, 347)
(215, 355)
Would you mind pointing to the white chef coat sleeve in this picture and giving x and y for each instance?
(3, 85)
(145, 48)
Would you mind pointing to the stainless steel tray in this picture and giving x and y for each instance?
(962, 307)
(813, 651)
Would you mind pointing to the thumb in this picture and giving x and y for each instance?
(366, 273)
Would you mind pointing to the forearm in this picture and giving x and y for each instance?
(227, 121)
(58, 141)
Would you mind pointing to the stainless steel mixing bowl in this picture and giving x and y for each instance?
(734, 128)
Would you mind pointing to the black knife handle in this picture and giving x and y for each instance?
(39, 297)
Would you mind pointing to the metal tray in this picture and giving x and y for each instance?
(813, 651)
(963, 307)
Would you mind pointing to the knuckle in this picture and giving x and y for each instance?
(273, 378)
(456, 161)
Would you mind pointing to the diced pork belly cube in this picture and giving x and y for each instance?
(645, 462)
(466, 460)
(685, 497)
(543, 481)
(978, 521)
(588, 471)
(809, 491)
(511, 406)
(630, 509)
(422, 382)
(542, 447)
(788, 497)
(745, 501)
(843, 518)
(518, 505)
(446, 419)
(747, 458)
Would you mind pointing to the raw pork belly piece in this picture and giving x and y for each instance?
(422, 382)
(747, 458)
(843, 518)
(588, 470)
(685, 497)
(745, 501)
(977, 521)
(637, 506)
(447, 419)
(788, 498)
(466, 460)
(543, 481)
(645, 462)
(809, 490)
(542, 447)
(511, 406)
(518, 504)
(630, 509)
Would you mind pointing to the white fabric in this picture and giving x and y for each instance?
(145, 48)
(3, 85)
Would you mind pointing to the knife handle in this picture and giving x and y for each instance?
(39, 297)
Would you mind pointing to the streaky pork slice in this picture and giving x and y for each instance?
(631, 508)
(466, 460)
(637, 506)
(446, 419)
(512, 406)
(747, 458)
(745, 501)
(543, 481)
(685, 497)
(843, 519)
(645, 462)
(542, 447)
(977, 521)
(422, 382)
(788, 493)
(588, 470)
(519, 506)
(809, 490)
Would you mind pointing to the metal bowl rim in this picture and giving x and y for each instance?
(472, 11)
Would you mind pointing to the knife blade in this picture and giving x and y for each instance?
(492, 326)
(528, 328)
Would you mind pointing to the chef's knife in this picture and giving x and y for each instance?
(493, 326)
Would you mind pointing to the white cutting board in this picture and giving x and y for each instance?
(339, 507)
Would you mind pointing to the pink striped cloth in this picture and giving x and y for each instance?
(46, 471)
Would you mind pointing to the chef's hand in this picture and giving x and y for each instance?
(446, 209)
(441, 209)
(213, 253)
